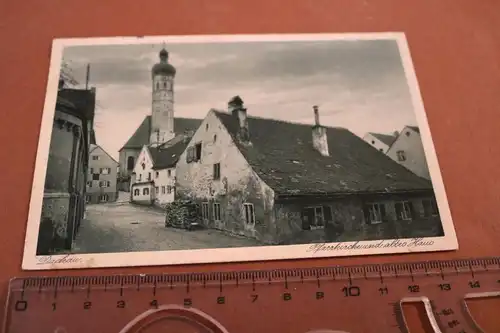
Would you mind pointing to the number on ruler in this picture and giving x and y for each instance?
(351, 291)
(474, 284)
(120, 304)
(414, 288)
(87, 305)
(445, 287)
(383, 291)
(54, 306)
(154, 304)
(221, 300)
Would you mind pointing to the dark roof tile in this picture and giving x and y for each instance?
(385, 138)
(282, 154)
(167, 155)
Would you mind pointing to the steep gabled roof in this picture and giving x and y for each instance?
(167, 155)
(142, 133)
(282, 154)
(385, 138)
(415, 128)
(94, 147)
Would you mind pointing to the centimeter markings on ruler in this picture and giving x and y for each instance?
(450, 281)
(286, 276)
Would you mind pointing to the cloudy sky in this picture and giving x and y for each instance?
(359, 85)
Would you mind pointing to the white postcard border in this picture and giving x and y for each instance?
(242, 254)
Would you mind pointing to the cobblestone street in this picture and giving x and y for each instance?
(122, 227)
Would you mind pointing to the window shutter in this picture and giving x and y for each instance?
(398, 207)
(383, 213)
(327, 213)
(306, 224)
(413, 213)
(366, 213)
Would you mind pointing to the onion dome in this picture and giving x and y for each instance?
(163, 67)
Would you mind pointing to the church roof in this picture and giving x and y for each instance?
(282, 154)
(142, 133)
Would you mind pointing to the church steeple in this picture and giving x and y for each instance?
(162, 113)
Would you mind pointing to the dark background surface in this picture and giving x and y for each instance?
(455, 46)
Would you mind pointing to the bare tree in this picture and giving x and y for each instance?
(67, 76)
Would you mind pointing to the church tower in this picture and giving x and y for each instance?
(162, 116)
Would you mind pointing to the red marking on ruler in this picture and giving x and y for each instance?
(353, 299)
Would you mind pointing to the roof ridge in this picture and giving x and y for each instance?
(279, 120)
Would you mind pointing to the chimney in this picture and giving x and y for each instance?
(239, 112)
(319, 137)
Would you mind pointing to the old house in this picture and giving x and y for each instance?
(288, 183)
(67, 168)
(160, 126)
(408, 150)
(153, 179)
(102, 177)
(381, 142)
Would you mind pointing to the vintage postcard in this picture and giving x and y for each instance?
(196, 149)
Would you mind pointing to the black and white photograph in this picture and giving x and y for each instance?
(199, 149)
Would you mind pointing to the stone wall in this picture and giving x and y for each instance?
(348, 222)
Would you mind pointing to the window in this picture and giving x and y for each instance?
(315, 217)
(403, 210)
(375, 213)
(216, 209)
(373, 142)
(198, 151)
(95, 158)
(169, 172)
(105, 171)
(165, 85)
(87, 199)
(169, 189)
(130, 163)
(163, 190)
(91, 171)
(157, 189)
(249, 213)
(104, 183)
(89, 183)
(140, 176)
(145, 191)
(216, 171)
(407, 133)
(95, 176)
(206, 127)
(157, 174)
(204, 211)
(149, 175)
(381, 150)
(215, 137)
(157, 85)
(193, 154)
(143, 166)
(108, 183)
(430, 207)
(137, 192)
(103, 198)
(401, 155)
